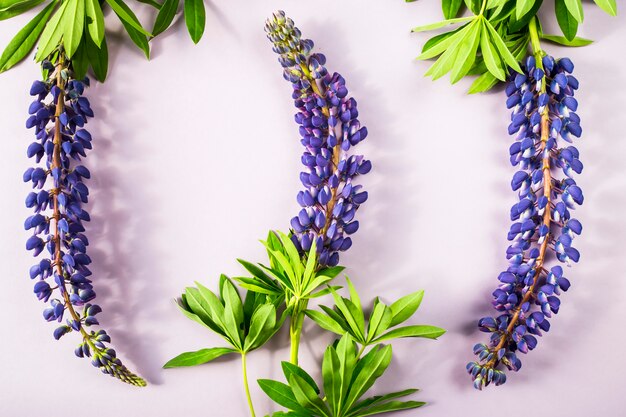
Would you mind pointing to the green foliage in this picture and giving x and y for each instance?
(348, 317)
(346, 378)
(76, 25)
(289, 276)
(494, 38)
(246, 325)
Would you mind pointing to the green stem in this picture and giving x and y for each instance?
(533, 29)
(295, 328)
(245, 383)
(361, 352)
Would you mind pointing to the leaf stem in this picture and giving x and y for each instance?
(295, 328)
(533, 30)
(244, 369)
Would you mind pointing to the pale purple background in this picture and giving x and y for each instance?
(196, 156)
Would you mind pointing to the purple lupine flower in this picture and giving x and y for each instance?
(544, 123)
(329, 128)
(62, 277)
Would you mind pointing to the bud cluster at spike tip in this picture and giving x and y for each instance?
(59, 192)
(329, 128)
(529, 290)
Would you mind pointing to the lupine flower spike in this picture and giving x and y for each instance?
(543, 124)
(61, 277)
(329, 128)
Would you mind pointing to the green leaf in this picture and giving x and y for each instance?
(51, 35)
(138, 37)
(12, 8)
(127, 16)
(483, 83)
(379, 321)
(561, 40)
(390, 406)
(354, 296)
(490, 55)
(233, 313)
(367, 371)
(307, 397)
(325, 322)
(473, 5)
(95, 21)
(505, 54)
(609, 6)
(522, 7)
(347, 361)
(351, 314)
(165, 17)
(281, 394)
(259, 274)
(331, 375)
(369, 402)
(262, 325)
(22, 43)
(325, 291)
(567, 22)
(446, 61)
(98, 58)
(426, 331)
(467, 53)
(316, 283)
(575, 7)
(73, 22)
(294, 255)
(311, 263)
(451, 8)
(256, 285)
(444, 45)
(197, 358)
(291, 369)
(437, 39)
(80, 62)
(441, 24)
(195, 18)
(405, 307)
(518, 24)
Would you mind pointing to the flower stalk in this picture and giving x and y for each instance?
(543, 116)
(61, 232)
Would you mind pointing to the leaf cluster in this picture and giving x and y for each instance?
(495, 37)
(77, 26)
(346, 378)
(288, 276)
(348, 317)
(246, 325)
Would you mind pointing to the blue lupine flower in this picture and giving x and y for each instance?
(58, 115)
(543, 119)
(329, 128)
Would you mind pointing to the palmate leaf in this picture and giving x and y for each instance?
(346, 378)
(21, 45)
(347, 318)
